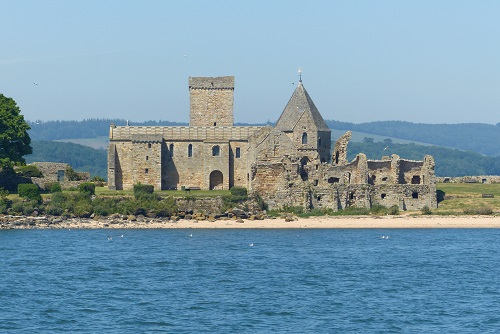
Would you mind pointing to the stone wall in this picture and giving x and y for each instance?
(211, 101)
(487, 179)
(55, 172)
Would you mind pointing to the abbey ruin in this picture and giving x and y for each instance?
(290, 164)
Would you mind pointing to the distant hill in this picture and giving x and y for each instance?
(89, 128)
(81, 158)
(480, 138)
(477, 137)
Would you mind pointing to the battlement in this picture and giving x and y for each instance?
(211, 82)
(186, 133)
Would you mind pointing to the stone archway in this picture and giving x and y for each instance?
(216, 180)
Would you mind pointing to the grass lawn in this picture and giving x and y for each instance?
(460, 196)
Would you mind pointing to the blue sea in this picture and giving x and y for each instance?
(250, 281)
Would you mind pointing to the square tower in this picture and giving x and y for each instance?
(211, 101)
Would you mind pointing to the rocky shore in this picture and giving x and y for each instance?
(252, 221)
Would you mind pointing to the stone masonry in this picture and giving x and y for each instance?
(290, 164)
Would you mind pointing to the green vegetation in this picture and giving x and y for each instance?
(466, 198)
(29, 191)
(81, 158)
(375, 210)
(87, 188)
(28, 171)
(143, 190)
(14, 138)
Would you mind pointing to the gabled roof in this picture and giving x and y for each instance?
(300, 103)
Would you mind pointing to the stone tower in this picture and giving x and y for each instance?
(211, 101)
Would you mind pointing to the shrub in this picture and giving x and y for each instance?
(55, 188)
(29, 171)
(166, 207)
(480, 210)
(393, 210)
(54, 210)
(378, 209)
(426, 210)
(143, 189)
(238, 194)
(71, 175)
(104, 206)
(29, 191)
(354, 211)
(87, 187)
(298, 210)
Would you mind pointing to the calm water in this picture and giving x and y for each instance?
(250, 281)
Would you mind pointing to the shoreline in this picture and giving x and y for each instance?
(337, 222)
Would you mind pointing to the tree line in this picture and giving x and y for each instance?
(477, 137)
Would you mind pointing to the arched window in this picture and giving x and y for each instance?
(216, 151)
(171, 150)
(238, 152)
(304, 138)
(190, 150)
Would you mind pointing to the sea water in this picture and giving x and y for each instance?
(250, 281)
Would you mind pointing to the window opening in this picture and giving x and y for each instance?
(216, 151)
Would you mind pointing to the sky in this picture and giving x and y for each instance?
(425, 61)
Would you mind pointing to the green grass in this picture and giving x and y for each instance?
(466, 196)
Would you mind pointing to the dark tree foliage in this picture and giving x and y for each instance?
(14, 138)
(81, 158)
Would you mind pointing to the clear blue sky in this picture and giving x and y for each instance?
(425, 61)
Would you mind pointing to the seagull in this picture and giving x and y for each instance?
(190, 235)
(251, 245)
(110, 237)
(34, 83)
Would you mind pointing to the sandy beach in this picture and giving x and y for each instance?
(401, 221)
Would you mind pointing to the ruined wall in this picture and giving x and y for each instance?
(487, 179)
(339, 154)
(211, 101)
(55, 172)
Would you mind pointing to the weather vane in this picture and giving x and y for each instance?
(300, 74)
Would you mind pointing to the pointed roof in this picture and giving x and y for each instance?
(299, 104)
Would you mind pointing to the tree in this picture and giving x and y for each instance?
(14, 138)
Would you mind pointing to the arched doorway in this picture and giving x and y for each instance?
(216, 180)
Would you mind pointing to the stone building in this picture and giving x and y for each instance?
(288, 164)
